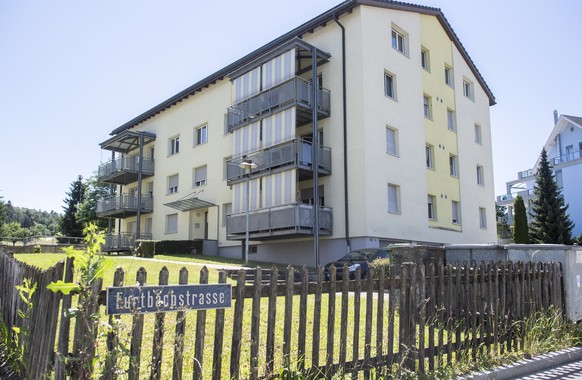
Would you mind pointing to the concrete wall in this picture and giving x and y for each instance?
(569, 256)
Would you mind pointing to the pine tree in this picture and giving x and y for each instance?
(520, 228)
(87, 210)
(551, 223)
(69, 225)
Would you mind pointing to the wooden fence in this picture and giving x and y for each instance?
(42, 324)
(421, 320)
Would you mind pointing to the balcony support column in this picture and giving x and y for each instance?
(139, 179)
(315, 155)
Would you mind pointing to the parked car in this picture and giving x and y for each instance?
(358, 258)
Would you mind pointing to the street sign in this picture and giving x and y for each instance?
(164, 298)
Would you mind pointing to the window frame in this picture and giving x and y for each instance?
(398, 41)
(172, 189)
(480, 175)
(396, 193)
(167, 229)
(468, 89)
(456, 209)
(478, 134)
(425, 58)
(454, 165)
(173, 145)
(482, 218)
(449, 76)
(451, 120)
(429, 153)
(394, 132)
(202, 182)
(427, 106)
(390, 88)
(200, 135)
(431, 204)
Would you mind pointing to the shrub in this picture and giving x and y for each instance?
(37, 248)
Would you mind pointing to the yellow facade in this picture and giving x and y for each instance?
(443, 182)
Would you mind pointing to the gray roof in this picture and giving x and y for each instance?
(575, 119)
(309, 27)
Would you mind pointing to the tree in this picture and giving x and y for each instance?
(551, 223)
(520, 227)
(87, 210)
(503, 229)
(69, 225)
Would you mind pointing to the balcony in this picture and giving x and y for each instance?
(568, 157)
(291, 154)
(123, 241)
(123, 206)
(124, 170)
(294, 92)
(508, 199)
(294, 220)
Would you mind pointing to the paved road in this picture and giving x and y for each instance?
(571, 371)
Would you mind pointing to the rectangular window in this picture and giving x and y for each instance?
(427, 106)
(451, 119)
(393, 198)
(173, 181)
(398, 41)
(200, 175)
(468, 89)
(482, 218)
(425, 59)
(559, 179)
(391, 141)
(478, 138)
(480, 176)
(431, 207)
(172, 223)
(174, 145)
(448, 75)
(429, 149)
(389, 85)
(453, 165)
(456, 210)
(200, 135)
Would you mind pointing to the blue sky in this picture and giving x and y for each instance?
(72, 71)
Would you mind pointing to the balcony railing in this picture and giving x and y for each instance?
(289, 220)
(124, 205)
(571, 156)
(122, 241)
(124, 170)
(525, 173)
(510, 198)
(295, 153)
(295, 91)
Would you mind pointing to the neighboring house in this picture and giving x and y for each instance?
(398, 116)
(564, 149)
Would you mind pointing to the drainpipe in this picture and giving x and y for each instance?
(315, 155)
(345, 132)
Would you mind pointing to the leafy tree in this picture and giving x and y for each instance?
(13, 232)
(520, 227)
(551, 222)
(503, 229)
(70, 225)
(87, 209)
(3, 212)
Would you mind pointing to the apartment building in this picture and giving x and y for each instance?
(564, 150)
(365, 126)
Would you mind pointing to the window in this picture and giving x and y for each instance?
(480, 177)
(398, 41)
(429, 149)
(478, 138)
(482, 217)
(456, 210)
(173, 181)
(200, 176)
(425, 59)
(559, 179)
(200, 135)
(451, 119)
(427, 106)
(174, 145)
(454, 165)
(468, 89)
(391, 141)
(307, 196)
(172, 223)
(389, 85)
(393, 198)
(431, 207)
(448, 75)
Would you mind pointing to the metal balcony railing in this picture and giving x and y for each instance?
(295, 153)
(293, 219)
(571, 156)
(123, 240)
(124, 166)
(295, 91)
(510, 198)
(125, 204)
